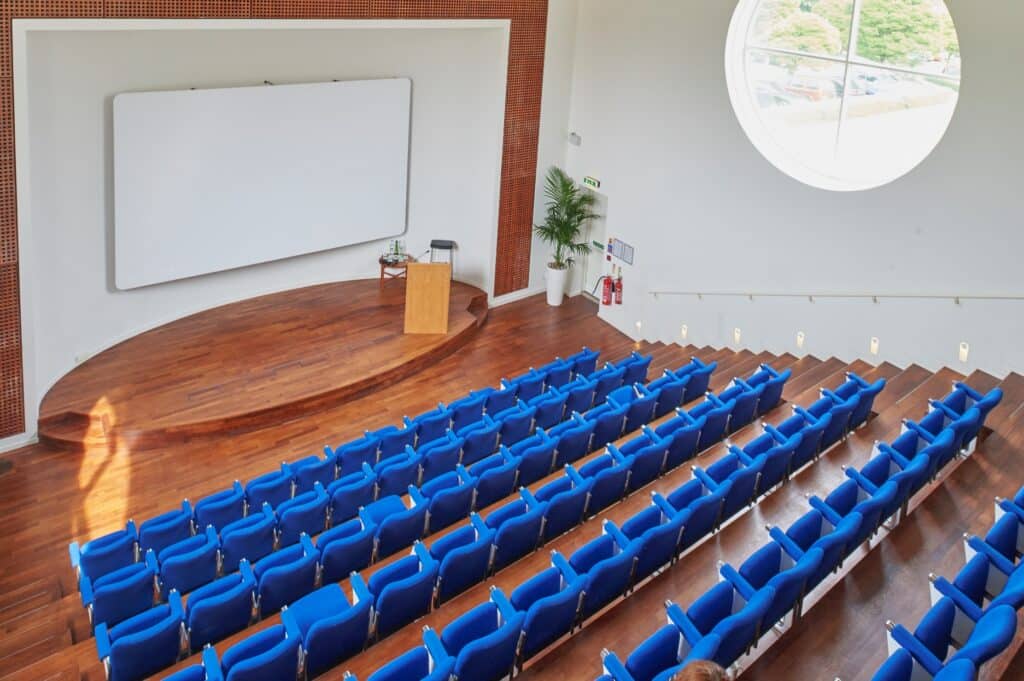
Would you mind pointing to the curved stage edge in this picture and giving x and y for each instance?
(248, 365)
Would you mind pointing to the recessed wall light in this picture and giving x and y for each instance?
(684, 332)
(736, 335)
(800, 338)
(965, 351)
(874, 345)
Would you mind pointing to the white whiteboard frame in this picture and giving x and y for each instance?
(267, 204)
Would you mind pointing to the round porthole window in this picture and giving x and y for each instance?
(844, 94)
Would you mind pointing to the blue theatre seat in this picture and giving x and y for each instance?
(331, 628)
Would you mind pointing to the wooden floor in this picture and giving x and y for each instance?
(250, 364)
(53, 497)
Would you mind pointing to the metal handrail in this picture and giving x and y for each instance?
(875, 297)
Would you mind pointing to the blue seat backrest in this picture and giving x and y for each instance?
(221, 608)
(344, 549)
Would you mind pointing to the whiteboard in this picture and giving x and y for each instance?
(211, 180)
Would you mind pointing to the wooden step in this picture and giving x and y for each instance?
(892, 584)
(26, 601)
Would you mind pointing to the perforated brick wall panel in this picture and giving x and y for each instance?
(519, 159)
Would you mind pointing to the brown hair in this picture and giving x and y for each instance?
(700, 670)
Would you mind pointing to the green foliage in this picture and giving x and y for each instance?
(891, 31)
(568, 207)
(899, 31)
(806, 32)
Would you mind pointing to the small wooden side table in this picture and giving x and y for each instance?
(394, 269)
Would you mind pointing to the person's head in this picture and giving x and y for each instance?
(700, 670)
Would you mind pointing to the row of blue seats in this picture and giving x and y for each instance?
(974, 617)
(105, 554)
(495, 637)
(384, 526)
(769, 587)
(285, 575)
(184, 563)
(328, 628)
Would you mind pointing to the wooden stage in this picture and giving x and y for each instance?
(249, 364)
(52, 497)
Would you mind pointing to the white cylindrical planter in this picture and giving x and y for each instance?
(556, 285)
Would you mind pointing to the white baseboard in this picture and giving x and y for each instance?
(9, 444)
(498, 301)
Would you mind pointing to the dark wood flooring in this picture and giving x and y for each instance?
(53, 496)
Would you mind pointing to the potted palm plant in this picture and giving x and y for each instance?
(568, 207)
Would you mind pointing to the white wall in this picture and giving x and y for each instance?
(706, 212)
(559, 55)
(65, 167)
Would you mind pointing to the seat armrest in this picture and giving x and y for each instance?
(776, 435)
(743, 382)
(743, 456)
(948, 411)
(807, 416)
(613, 530)
(212, 664)
(574, 475)
(742, 586)
(705, 479)
(885, 448)
(502, 602)
(102, 641)
(865, 484)
(527, 495)
(559, 561)
(787, 544)
(360, 592)
(151, 561)
(824, 509)
(478, 523)
(825, 392)
(662, 503)
(945, 589)
(365, 518)
(618, 456)
(85, 590)
(921, 432)
(291, 627)
(245, 569)
(308, 547)
(417, 496)
(613, 665)
(971, 392)
(1007, 506)
(920, 652)
(677, 617)
(435, 649)
(421, 552)
(368, 470)
(978, 545)
(464, 474)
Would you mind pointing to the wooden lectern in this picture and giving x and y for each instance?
(427, 290)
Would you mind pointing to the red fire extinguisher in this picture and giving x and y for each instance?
(606, 290)
(618, 288)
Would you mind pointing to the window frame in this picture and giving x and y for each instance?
(739, 45)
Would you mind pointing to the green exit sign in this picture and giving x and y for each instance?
(592, 182)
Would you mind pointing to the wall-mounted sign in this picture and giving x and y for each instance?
(621, 250)
(592, 182)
